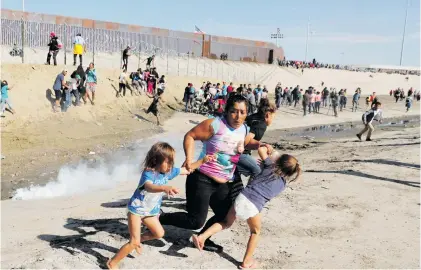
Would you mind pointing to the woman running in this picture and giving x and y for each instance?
(213, 184)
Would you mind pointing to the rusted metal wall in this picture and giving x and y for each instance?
(104, 36)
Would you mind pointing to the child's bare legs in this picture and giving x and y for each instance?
(254, 225)
(156, 231)
(199, 240)
(134, 243)
(157, 119)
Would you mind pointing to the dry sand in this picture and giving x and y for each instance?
(356, 207)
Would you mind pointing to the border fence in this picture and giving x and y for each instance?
(31, 30)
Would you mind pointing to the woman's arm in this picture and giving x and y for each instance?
(197, 164)
(201, 132)
(252, 144)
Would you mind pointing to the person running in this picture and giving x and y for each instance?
(58, 86)
(355, 99)
(75, 81)
(125, 57)
(91, 82)
(53, 48)
(145, 204)
(78, 48)
(213, 184)
(368, 118)
(276, 174)
(258, 123)
(153, 108)
(397, 94)
(5, 98)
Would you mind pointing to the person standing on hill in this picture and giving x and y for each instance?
(122, 81)
(58, 86)
(278, 95)
(91, 82)
(251, 102)
(126, 54)
(54, 47)
(78, 48)
(368, 117)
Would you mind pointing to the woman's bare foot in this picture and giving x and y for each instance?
(110, 265)
(139, 250)
(249, 265)
(197, 242)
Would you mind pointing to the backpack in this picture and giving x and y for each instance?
(59, 44)
(131, 76)
(367, 99)
(192, 90)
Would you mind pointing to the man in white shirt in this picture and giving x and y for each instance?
(78, 48)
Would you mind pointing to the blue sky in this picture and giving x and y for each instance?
(343, 31)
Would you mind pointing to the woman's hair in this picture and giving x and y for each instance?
(287, 166)
(235, 99)
(266, 106)
(158, 153)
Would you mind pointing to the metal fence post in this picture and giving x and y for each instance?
(93, 44)
(188, 63)
(197, 60)
(138, 56)
(168, 45)
(23, 40)
(65, 44)
(204, 67)
(178, 57)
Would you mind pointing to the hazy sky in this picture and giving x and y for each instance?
(343, 31)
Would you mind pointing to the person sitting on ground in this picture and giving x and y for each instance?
(145, 204)
(374, 113)
(5, 98)
(277, 173)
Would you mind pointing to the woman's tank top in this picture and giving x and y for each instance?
(224, 143)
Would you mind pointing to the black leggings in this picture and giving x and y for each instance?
(122, 87)
(202, 192)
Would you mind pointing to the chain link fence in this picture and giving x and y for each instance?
(175, 55)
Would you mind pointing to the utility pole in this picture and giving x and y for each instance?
(277, 36)
(404, 30)
(308, 33)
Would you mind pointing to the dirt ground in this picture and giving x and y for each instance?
(356, 206)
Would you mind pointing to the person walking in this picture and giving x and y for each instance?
(368, 117)
(251, 102)
(78, 48)
(122, 81)
(278, 95)
(306, 101)
(53, 48)
(318, 101)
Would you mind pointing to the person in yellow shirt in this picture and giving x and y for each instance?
(78, 48)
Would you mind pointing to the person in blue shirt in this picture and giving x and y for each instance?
(355, 100)
(145, 204)
(5, 98)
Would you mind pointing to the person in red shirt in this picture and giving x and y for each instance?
(230, 89)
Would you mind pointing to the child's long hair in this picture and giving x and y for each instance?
(287, 166)
(158, 153)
